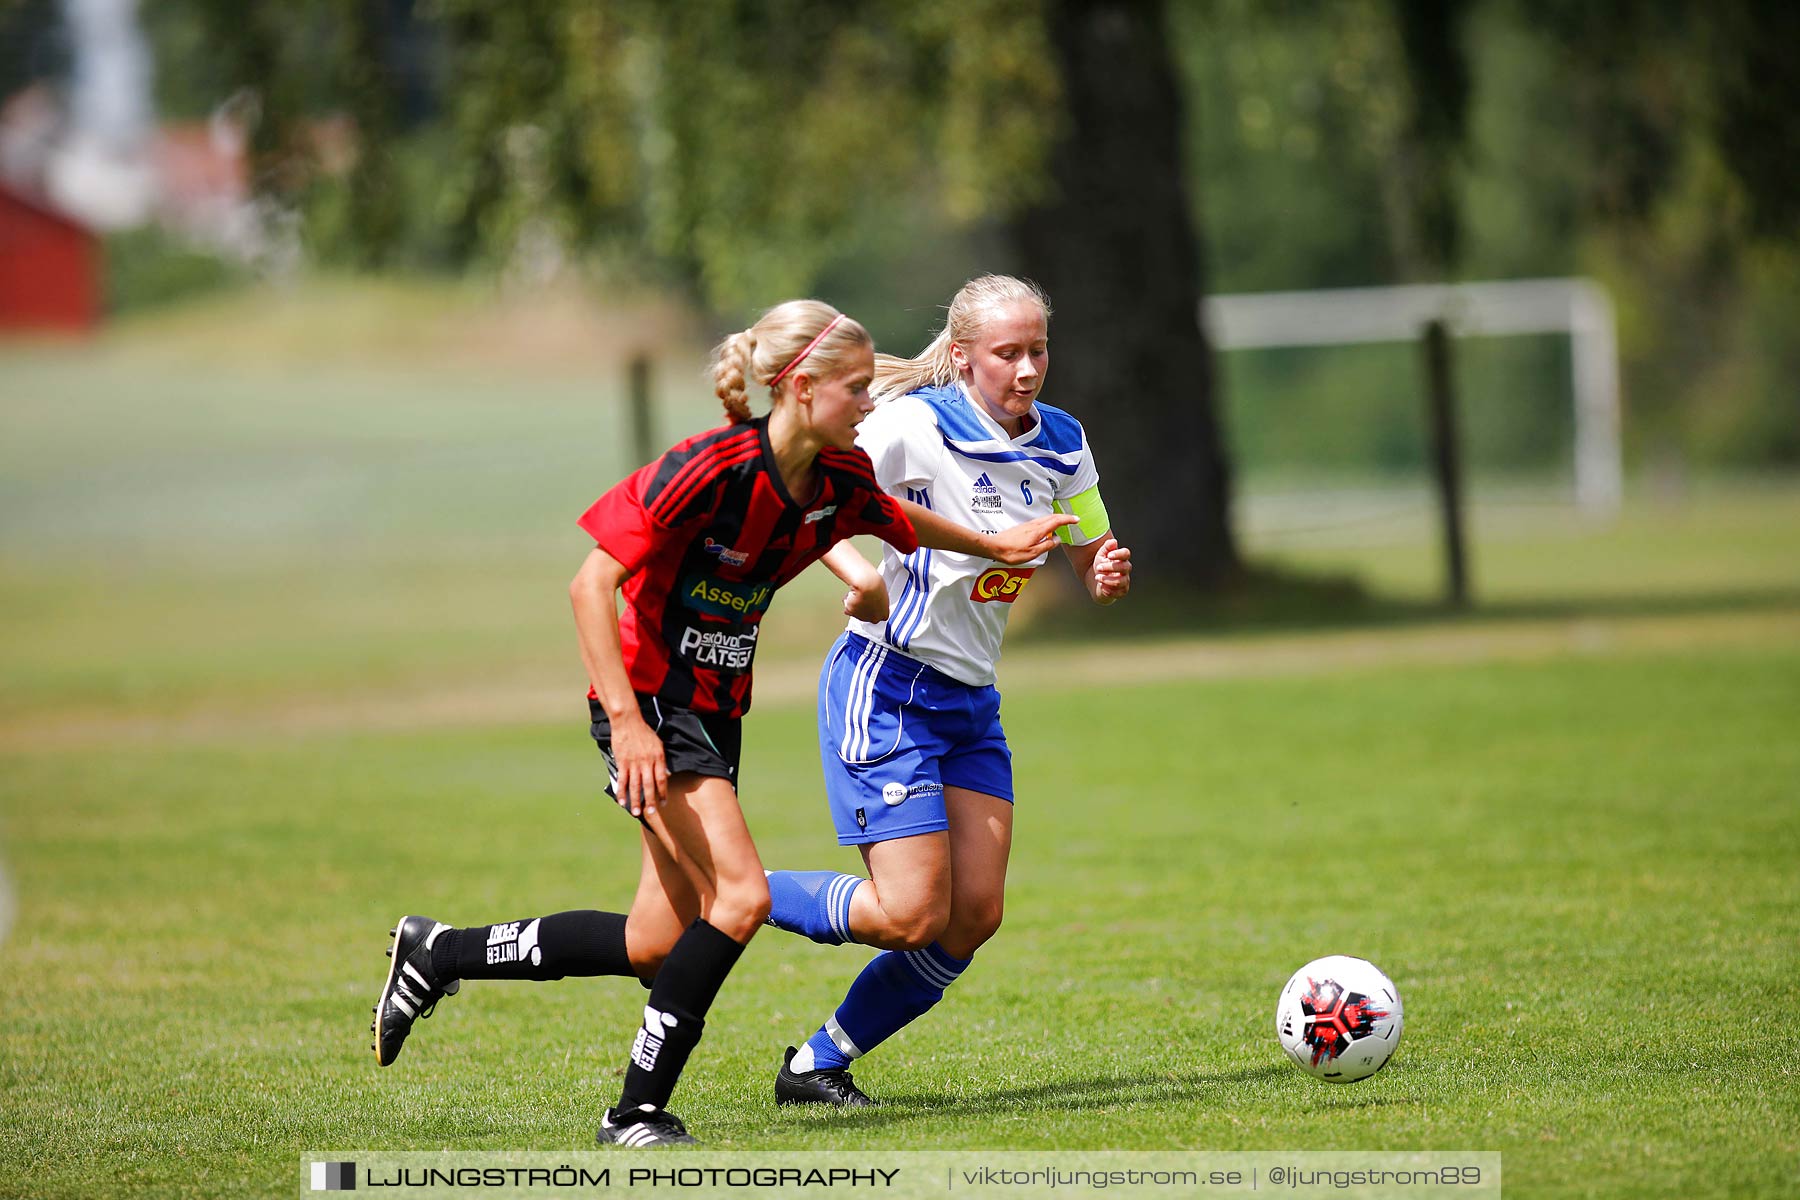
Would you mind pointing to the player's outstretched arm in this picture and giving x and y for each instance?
(867, 599)
(1104, 568)
(638, 752)
(1014, 546)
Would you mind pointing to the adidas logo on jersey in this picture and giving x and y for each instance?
(986, 497)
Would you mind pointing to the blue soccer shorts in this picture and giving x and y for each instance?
(894, 733)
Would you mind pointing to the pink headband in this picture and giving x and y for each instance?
(810, 347)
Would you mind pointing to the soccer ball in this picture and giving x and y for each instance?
(1339, 1018)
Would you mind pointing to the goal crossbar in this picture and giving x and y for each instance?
(1578, 308)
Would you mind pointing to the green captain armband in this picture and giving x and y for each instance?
(1090, 508)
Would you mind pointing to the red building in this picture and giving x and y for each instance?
(49, 268)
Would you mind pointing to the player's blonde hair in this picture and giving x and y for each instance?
(775, 346)
(970, 309)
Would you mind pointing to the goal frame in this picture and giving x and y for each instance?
(1576, 307)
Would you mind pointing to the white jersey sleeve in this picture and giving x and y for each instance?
(940, 450)
(901, 439)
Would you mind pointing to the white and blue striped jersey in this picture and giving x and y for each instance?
(939, 448)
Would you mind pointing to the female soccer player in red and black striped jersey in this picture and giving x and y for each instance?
(697, 541)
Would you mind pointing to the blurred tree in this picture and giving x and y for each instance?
(1687, 128)
(743, 146)
(34, 44)
(1755, 107)
(371, 94)
(1113, 242)
(272, 55)
(1435, 134)
(748, 151)
(1287, 118)
(1647, 142)
(742, 149)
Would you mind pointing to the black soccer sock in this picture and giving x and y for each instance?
(583, 942)
(676, 1013)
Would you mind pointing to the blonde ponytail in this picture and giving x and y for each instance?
(969, 311)
(800, 329)
(731, 362)
(898, 376)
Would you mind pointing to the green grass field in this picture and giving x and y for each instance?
(275, 671)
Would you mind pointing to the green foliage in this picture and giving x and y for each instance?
(747, 152)
(1598, 142)
(147, 268)
(792, 133)
(744, 148)
(1293, 116)
(34, 43)
(1708, 321)
(1653, 141)
(1752, 408)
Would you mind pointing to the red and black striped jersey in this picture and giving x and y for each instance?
(708, 532)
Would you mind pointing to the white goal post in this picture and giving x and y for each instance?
(1579, 308)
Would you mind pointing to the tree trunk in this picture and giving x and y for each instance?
(1114, 245)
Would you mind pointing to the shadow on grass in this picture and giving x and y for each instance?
(1077, 1095)
(1263, 601)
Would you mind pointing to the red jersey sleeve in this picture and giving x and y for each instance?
(866, 508)
(676, 492)
(879, 513)
(619, 522)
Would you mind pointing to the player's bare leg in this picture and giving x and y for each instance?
(664, 906)
(933, 900)
(905, 902)
(981, 828)
(697, 835)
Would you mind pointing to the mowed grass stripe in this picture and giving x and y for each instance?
(1579, 872)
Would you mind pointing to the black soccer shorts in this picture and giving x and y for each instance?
(694, 742)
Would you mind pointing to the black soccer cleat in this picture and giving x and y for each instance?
(412, 989)
(817, 1087)
(646, 1127)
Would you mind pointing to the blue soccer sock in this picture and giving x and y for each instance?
(895, 989)
(815, 903)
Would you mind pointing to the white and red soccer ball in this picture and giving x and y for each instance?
(1339, 1018)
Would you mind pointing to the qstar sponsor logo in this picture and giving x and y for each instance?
(726, 554)
(507, 942)
(719, 648)
(986, 497)
(725, 599)
(1001, 584)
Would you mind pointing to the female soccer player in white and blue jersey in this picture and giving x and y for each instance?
(917, 768)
